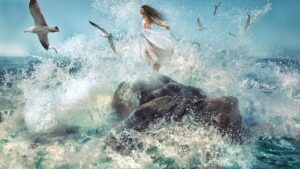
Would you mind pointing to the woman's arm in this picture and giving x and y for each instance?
(159, 23)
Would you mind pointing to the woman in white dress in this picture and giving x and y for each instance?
(156, 47)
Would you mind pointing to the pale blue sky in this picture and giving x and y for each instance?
(278, 28)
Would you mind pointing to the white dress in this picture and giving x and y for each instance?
(156, 46)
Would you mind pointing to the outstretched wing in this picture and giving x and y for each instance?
(216, 7)
(196, 44)
(111, 42)
(97, 26)
(247, 23)
(199, 23)
(44, 40)
(215, 11)
(249, 19)
(36, 13)
(232, 34)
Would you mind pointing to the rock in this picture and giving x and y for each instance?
(145, 102)
(130, 96)
(221, 112)
(164, 107)
(124, 100)
(224, 112)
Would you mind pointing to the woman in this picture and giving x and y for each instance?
(156, 47)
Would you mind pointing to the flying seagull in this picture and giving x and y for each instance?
(248, 22)
(41, 28)
(232, 34)
(196, 44)
(106, 35)
(217, 6)
(200, 25)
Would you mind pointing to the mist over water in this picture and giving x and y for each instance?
(56, 112)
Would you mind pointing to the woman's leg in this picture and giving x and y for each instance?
(151, 56)
(155, 66)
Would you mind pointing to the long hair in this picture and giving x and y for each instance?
(153, 13)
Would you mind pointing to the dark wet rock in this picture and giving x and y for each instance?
(221, 112)
(224, 113)
(130, 96)
(124, 100)
(164, 107)
(146, 102)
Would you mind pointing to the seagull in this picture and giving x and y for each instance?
(248, 22)
(196, 44)
(201, 27)
(217, 6)
(232, 34)
(41, 28)
(106, 35)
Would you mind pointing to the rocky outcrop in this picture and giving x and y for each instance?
(130, 96)
(144, 102)
(220, 112)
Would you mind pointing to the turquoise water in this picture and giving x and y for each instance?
(55, 108)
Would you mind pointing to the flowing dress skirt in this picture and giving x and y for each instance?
(156, 47)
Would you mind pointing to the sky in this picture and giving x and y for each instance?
(278, 28)
(15, 18)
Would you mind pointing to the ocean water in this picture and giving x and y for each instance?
(55, 109)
